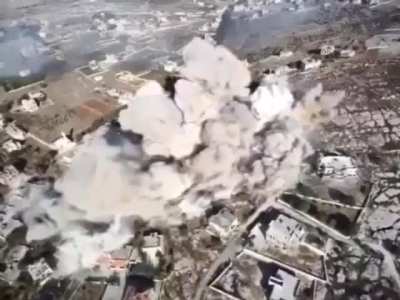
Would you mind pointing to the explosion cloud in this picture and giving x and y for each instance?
(211, 141)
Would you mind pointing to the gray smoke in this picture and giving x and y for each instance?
(212, 141)
(22, 51)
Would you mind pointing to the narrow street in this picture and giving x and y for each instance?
(231, 247)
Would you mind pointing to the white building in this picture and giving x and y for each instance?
(153, 246)
(32, 103)
(284, 286)
(327, 50)
(40, 271)
(11, 146)
(309, 64)
(337, 166)
(14, 132)
(285, 53)
(347, 53)
(63, 144)
(26, 105)
(342, 174)
(222, 224)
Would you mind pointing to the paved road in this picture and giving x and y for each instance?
(233, 243)
(231, 246)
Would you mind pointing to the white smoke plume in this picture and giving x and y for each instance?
(83, 251)
(211, 141)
